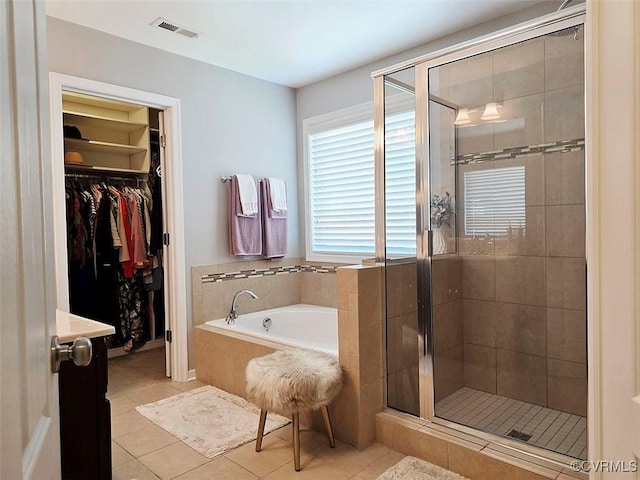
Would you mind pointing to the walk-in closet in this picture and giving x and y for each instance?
(114, 218)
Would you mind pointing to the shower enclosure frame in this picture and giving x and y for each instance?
(563, 19)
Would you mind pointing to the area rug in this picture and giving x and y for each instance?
(412, 468)
(209, 420)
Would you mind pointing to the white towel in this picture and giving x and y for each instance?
(248, 194)
(278, 192)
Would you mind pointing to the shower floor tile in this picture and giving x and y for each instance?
(544, 427)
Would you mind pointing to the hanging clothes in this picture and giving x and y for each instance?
(107, 265)
(81, 259)
(107, 227)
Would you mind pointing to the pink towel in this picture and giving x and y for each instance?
(274, 226)
(245, 232)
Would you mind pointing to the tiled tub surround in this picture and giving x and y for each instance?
(221, 360)
(360, 345)
(277, 282)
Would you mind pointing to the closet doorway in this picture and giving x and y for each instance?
(128, 142)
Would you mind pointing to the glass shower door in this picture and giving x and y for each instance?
(401, 280)
(507, 316)
(445, 265)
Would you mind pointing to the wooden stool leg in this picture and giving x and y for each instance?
(296, 441)
(263, 419)
(327, 424)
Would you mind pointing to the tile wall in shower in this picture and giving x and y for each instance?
(522, 327)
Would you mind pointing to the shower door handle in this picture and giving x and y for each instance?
(428, 239)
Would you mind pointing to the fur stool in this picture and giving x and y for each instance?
(290, 381)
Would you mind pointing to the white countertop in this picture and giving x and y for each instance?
(70, 326)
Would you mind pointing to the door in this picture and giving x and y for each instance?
(613, 243)
(171, 171)
(165, 250)
(29, 433)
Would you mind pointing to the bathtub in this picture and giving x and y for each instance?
(306, 326)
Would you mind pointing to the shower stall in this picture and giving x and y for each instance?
(481, 182)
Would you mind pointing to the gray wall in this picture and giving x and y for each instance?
(231, 123)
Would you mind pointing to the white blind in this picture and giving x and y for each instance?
(341, 187)
(400, 187)
(494, 200)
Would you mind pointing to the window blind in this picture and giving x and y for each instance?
(400, 186)
(342, 181)
(494, 200)
(341, 184)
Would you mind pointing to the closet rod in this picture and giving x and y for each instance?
(102, 178)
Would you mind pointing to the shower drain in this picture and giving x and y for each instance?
(519, 435)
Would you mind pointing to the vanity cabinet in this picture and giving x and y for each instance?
(85, 417)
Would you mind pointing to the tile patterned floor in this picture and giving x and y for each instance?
(143, 451)
(550, 429)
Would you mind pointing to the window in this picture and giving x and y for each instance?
(400, 187)
(340, 180)
(494, 201)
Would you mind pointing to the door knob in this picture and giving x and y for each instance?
(79, 351)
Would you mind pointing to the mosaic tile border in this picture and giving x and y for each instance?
(265, 272)
(562, 146)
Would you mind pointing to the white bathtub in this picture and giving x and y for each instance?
(307, 326)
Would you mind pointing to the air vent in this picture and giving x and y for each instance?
(187, 33)
(168, 26)
(174, 27)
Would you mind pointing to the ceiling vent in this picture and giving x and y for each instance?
(174, 27)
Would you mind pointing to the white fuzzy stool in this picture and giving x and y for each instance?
(288, 382)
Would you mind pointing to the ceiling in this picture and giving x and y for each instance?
(290, 42)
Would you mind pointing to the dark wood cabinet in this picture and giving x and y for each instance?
(85, 417)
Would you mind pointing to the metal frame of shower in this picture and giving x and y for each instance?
(547, 24)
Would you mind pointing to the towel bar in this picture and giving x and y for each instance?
(224, 179)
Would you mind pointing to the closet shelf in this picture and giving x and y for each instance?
(73, 144)
(92, 168)
(80, 119)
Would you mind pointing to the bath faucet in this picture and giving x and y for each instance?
(231, 318)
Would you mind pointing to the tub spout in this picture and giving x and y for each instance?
(233, 314)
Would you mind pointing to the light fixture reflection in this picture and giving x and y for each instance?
(401, 134)
(490, 112)
(463, 117)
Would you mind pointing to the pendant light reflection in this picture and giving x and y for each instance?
(402, 135)
(462, 118)
(490, 112)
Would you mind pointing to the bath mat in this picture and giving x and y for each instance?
(209, 420)
(412, 468)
